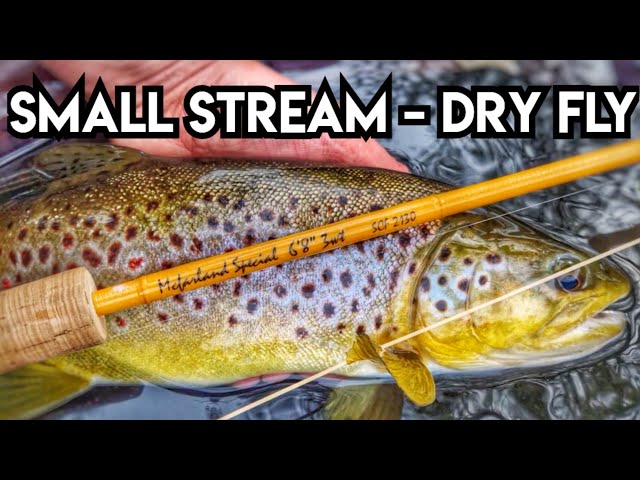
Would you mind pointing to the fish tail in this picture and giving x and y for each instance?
(36, 389)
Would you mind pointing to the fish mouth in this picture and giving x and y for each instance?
(582, 339)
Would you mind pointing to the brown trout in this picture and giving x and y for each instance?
(121, 214)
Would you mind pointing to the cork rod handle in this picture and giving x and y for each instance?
(48, 317)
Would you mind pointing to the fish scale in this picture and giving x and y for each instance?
(136, 214)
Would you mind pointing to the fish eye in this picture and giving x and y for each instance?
(569, 282)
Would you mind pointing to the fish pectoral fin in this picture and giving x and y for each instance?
(35, 389)
(406, 367)
(364, 402)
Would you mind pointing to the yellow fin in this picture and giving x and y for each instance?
(35, 389)
(408, 370)
(365, 402)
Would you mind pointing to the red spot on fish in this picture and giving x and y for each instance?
(178, 298)
(163, 317)
(121, 322)
(13, 257)
(113, 252)
(72, 265)
(26, 256)
(55, 268)
(152, 206)
(196, 245)
(168, 217)
(91, 257)
(67, 240)
(301, 332)
(22, 234)
(233, 320)
(176, 240)
(89, 222)
(198, 304)
(308, 290)
(6, 283)
(134, 263)
(97, 233)
(153, 236)
(112, 223)
(18, 278)
(73, 221)
(129, 210)
(131, 232)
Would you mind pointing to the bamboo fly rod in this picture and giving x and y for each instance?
(65, 312)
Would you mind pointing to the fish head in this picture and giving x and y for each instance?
(486, 259)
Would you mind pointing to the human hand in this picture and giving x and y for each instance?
(178, 76)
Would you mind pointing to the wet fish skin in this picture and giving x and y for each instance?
(122, 214)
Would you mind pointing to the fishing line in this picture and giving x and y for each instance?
(420, 331)
(504, 214)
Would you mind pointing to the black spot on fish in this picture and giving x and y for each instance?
(378, 321)
(13, 257)
(315, 210)
(328, 309)
(374, 207)
(404, 240)
(55, 225)
(112, 223)
(280, 291)
(239, 205)
(22, 234)
(228, 226)
(445, 253)
(355, 306)
(340, 327)
(250, 237)
(212, 222)
(178, 298)
(360, 246)
(113, 252)
(129, 210)
(252, 305)
(301, 332)
(360, 330)
(342, 200)
(91, 258)
(371, 279)
(393, 280)
(153, 236)
(168, 217)
(196, 245)
(26, 257)
(176, 240)
(493, 258)
(282, 221)
(308, 290)
(166, 264)
(425, 284)
(327, 275)
(207, 197)
(237, 286)
(441, 305)
(67, 240)
(266, 215)
(468, 261)
(42, 224)
(346, 279)
(483, 279)
(163, 317)
(463, 285)
(442, 280)
(131, 232)
(366, 291)
(233, 320)
(197, 304)
(412, 268)
(295, 308)
(247, 217)
(44, 253)
(293, 202)
(222, 200)
(380, 252)
(73, 221)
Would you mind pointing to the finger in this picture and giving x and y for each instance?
(178, 77)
